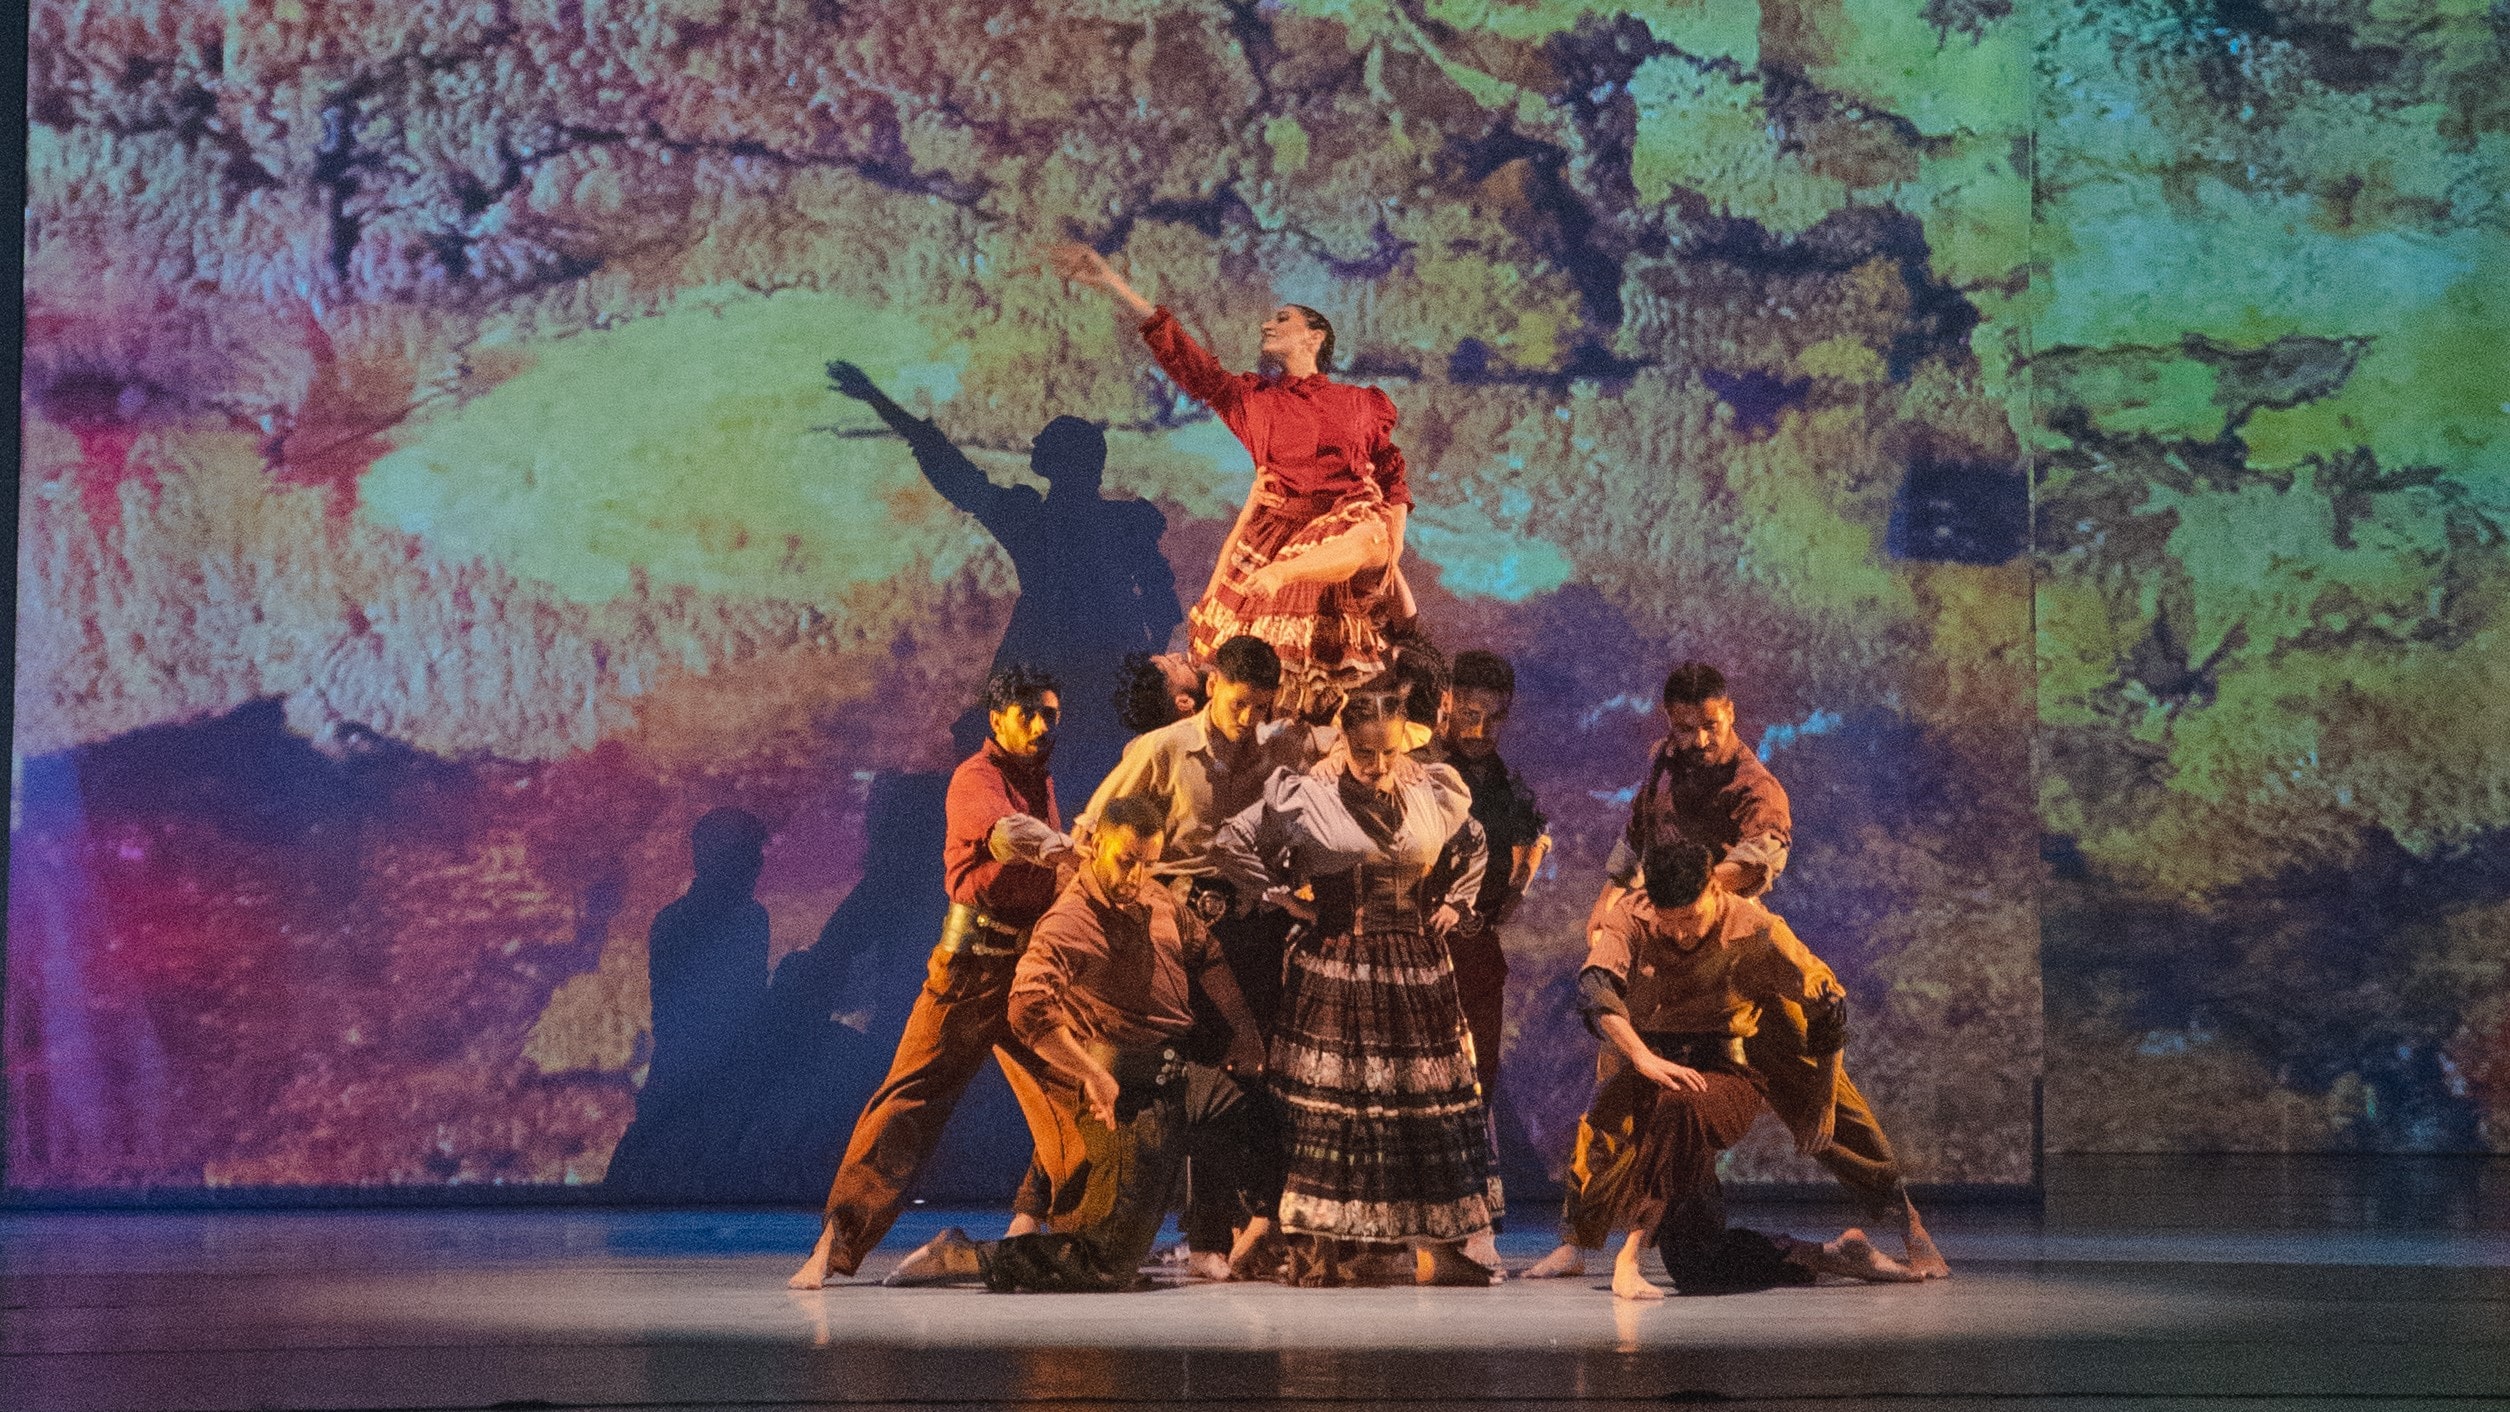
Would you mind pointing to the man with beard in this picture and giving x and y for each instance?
(1000, 858)
(1204, 770)
(1704, 787)
(1113, 1099)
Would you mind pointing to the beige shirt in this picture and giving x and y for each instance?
(1203, 780)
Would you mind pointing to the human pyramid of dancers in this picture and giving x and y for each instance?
(1267, 950)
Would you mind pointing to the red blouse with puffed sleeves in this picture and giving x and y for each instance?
(1318, 436)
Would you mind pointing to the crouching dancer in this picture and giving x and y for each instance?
(1112, 1101)
(1676, 978)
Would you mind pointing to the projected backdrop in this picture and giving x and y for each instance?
(434, 502)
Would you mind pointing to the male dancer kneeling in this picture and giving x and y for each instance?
(1676, 978)
(1112, 1102)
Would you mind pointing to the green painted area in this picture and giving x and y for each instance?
(2138, 392)
(1888, 53)
(1288, 142)
(1482, 560)
(1703, 130)
(2434, 390)
(1728, 29)
(688, 447)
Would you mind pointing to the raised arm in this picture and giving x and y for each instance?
(1078, 264)
(952, 475)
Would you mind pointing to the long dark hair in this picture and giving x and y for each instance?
(1323, 325)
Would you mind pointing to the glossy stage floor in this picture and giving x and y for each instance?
(2137, 1284)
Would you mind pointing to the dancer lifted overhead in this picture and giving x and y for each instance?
(1312, 565)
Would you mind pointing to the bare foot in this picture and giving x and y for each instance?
(1855, 1257)
(1483, 1250)
(814, 1271)
(948, 1258)
(1022, 1224)
(1258, 1253)
(1206, 1265)
(1566, 1262)
(1444, 1264)
(1923, 1260)
(1627, 1282)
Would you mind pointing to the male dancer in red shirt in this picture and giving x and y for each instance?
(1000, 858)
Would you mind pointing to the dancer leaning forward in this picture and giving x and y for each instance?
(1113, 1100)
(1313, 564)
(1677, 977)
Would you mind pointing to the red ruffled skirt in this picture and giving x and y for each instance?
(1330, 636)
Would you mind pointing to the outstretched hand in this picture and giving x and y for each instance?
(1079, 264)
(852, 381)
(1082, 265)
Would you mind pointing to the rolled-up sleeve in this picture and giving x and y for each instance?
(1780, 967)
(1601, 993)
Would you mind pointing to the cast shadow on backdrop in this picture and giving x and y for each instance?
(1094, 584)
(754, 1087)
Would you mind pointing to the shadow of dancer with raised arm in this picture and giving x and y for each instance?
(1094, 585)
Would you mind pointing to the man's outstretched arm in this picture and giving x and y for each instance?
(956, 478)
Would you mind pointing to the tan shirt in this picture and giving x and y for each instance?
(1715, 984)
(1113, 973)
(1203, 780)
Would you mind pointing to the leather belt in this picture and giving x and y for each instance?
(967, 930)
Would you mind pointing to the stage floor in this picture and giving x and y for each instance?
(2108, 1299)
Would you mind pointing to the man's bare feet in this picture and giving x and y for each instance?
(1855, 1257)
(1258, 1253)
(1483, 1250)
(948, 1258)
(1566, 1262)
(814, 1271)
(1022, 1224)
(1923, 1260)
(1206, 1265)
(1627, 1282)
(1445, 1264)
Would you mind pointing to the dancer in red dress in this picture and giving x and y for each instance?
(1312, 564)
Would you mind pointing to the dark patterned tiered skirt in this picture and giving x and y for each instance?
(1387, 1139)
(1330, 636)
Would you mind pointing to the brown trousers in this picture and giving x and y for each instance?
(1860, 1157)
(1481, 982)
(963, 1014)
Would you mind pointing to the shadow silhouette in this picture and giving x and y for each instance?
(816, 1039)
(706, 959)
(1094, 584)
(765, 1115)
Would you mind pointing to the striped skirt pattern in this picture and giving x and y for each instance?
(1329, 635)
(1387, 1138)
